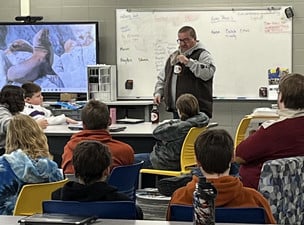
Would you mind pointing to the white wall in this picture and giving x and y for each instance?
(226, 113)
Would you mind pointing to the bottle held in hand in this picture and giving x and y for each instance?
(203, 203)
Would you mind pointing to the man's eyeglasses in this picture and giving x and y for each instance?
(185, 40)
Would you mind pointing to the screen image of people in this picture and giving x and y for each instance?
(50, 55)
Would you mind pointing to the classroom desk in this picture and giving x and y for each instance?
(13, 220)
(125, 108)
(139, 136)
(127, 104)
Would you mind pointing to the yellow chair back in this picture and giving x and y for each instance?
(244, 124)
(187, 158)
(31, 196)
(241, 130)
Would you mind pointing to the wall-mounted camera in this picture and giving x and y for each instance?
(289, 12)
(29, 19)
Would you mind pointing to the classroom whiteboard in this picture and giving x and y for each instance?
(244, 43)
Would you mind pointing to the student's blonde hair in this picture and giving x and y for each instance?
(24, 133)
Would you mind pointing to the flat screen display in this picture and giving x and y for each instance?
(54, 55)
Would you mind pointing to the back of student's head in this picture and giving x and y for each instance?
(214, 150)
(13, 98)
(24, 133)
(187, 105)
(30, 89)
(95, 115)
(291, 88)
(90, 160)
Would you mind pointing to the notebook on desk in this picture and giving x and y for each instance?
(265, 112)
(116, 128)
(56, 219)
(130, 120)
(75, 127)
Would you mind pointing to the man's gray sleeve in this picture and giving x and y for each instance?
(160, 83)
(204, 67)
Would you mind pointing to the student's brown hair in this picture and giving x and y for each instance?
(90, 160)
(30, 89)
(187, 105)
(95, 115)
(12, 97)
(214, 150)
(291, 87)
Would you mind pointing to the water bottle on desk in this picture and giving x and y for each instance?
(113, 115)
(155, 114)
(203, 203)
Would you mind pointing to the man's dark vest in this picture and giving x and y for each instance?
(188, 83)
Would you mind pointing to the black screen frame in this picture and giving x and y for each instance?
(55, 96)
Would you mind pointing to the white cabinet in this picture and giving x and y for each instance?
(102, 82)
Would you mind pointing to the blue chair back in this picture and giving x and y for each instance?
(101, 209)
(240, 215)
(181, 213)
(222, 214)
(125, 179)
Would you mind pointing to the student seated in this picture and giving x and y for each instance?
(214, 152)
(11, 103)
(275, 139)
(96, 120)
(33, 107)
(170, 135)
(92, 161)
(27, 160)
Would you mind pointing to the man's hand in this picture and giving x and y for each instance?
(183, 59)
(239, 160)
(157, 99)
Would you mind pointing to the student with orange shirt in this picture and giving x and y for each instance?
(96, 120)
(214, 153)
